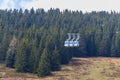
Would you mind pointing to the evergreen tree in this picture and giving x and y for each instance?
(22, 56)
(55, 62)
(33, 57)
(10, 58)
(4, 47)
(44, 64)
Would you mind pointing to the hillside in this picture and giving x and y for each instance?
(100, 68)
(30, 38)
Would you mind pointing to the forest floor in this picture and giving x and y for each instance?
(100, 68)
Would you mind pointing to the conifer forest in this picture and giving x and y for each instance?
(33, 40)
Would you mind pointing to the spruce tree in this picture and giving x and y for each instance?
(22, 56)
(33, 57)
(10, 58)
(55, 62)
(44, 64)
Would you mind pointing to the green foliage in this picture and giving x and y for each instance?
(44, 64)
(22, 56)
(33, 57)
(10, 57)
(36, 28)
(4, 48)
(55, 60)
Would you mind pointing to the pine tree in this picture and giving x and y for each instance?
(22, 56)
(33, 63)
(4, 47)
(10, 58)
(44, 64)
(55, 62)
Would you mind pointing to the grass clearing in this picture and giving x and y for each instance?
(99, 68)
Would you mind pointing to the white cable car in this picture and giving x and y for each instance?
(72, 42)
(66, 44)
(76, 43)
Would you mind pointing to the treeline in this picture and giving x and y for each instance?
(33, 40)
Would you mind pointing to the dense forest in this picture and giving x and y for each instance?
(33, 40)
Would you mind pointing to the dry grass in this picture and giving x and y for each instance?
(78, 69)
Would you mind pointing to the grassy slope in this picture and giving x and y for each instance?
(77, 69)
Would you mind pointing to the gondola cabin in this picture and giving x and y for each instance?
(76, 43)
(73, 40)
(66, 44)
(71, 44)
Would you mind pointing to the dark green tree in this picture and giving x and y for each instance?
(55, 60)
(4, 47)
(44, 64)
(22, 56)
(10, 58)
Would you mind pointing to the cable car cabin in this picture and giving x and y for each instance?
(72, 40)
(76, 43)
(71, 44)
(66, 44)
